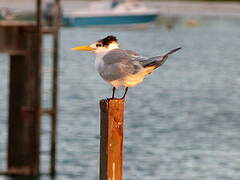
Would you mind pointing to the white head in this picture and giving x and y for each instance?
(101, 46)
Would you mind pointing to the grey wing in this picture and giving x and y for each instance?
(118, 64)
(154, 61)
(157, 60)
(144, 61)
(131, 53)
(135, 56)
(119, 55)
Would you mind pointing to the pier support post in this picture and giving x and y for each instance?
(111, 139)
(22, 41)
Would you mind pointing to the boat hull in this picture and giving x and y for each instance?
(109, 20)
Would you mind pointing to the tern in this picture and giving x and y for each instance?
(122, 67)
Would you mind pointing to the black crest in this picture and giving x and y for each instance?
(107, 40)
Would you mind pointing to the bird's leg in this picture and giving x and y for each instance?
(126, 90)
(113, 92)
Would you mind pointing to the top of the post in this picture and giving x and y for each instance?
(112, 101)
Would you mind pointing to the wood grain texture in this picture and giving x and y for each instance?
(111, 139)
(24, 103)
(13, 38)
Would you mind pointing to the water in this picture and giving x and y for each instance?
(182, 123)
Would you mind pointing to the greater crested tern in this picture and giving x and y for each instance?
(122, 67)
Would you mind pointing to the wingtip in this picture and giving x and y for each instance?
(177, 49)
(174, 50)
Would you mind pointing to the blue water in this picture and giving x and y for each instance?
(182, 123)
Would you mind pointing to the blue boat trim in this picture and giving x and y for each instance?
(109, 20)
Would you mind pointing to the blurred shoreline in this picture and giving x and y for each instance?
(191, 8)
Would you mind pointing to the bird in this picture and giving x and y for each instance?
(121, 67)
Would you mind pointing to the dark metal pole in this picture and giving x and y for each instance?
(56, 24)
(38, 14)
(37, 58)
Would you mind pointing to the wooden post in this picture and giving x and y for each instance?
(23, 43)
(111, 139)
(53, 151)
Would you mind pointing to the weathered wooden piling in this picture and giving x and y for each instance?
(111, 139)
(22, 42)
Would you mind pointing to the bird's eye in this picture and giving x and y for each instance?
(98, 45)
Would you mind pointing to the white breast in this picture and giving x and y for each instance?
(99, 61)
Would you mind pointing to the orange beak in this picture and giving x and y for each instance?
(83, 48)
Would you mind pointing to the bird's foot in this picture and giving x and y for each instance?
(113, 93)
(125, 93)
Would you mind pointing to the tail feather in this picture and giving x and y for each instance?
(159, 60)
(172, 51)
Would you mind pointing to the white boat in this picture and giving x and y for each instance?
(111, 13)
